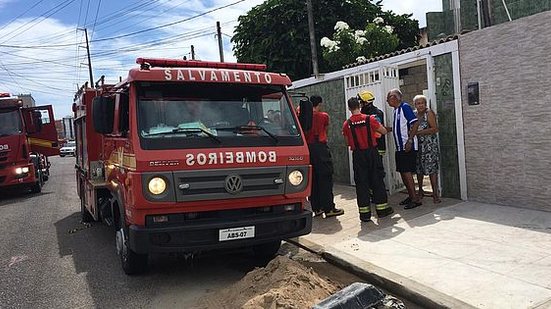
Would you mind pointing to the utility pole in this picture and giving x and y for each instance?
(313, 44)
(192, 52)
(89, 60)
(220, 46)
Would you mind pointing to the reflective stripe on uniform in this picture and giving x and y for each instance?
(364, 210)
(381, 206)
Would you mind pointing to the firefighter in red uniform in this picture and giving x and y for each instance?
(360, 132)
(321, 198)
(367, 98)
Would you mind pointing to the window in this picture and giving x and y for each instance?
(197, 115)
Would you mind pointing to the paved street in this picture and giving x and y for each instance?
(51, 260)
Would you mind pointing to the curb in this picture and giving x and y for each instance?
(396, 284)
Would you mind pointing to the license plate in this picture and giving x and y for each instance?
(236, 233)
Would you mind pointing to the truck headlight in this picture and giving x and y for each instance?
(156, 185)
(22, 170)
(296, 177)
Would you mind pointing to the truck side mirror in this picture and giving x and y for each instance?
(306, 114)
(103, 114)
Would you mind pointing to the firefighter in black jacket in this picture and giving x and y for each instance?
(366, 102)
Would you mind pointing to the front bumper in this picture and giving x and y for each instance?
(197, 236)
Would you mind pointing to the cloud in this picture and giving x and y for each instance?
(415, 7)
(3, 3)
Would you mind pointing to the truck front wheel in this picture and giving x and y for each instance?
(132, 263)
(37, 186)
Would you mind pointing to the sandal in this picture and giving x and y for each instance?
(406, 201)
(436, 199)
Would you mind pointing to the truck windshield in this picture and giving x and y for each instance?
(10, 122)
(201, 115)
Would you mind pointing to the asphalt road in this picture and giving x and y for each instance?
(49, 259)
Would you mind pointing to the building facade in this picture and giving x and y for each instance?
(459, 16)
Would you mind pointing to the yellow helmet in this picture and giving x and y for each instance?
(366, 96)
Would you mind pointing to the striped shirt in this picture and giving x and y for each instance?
(404, 118)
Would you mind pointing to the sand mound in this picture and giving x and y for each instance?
(283, 283)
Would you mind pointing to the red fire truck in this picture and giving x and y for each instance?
(185, 156)
(27, 137)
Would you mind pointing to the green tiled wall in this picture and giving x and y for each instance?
(445, 102)
(517, 9)
(334, 104)
(469, 15)
(441, 24)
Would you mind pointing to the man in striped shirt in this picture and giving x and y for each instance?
(404, 129)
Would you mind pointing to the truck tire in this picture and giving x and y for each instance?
(132, 263)
(37, 186)
(267, 250)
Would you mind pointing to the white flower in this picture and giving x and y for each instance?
(361, 40)
(334, 48)
(341, 25)
(378, 20)
(325, 41)
(329, 44)
(389, 29)
(359, 33)
(361, 59)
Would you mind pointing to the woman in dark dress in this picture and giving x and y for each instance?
(428, 154)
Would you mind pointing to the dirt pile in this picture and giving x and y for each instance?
(283, 283)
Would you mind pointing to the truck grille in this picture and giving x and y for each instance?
(229, 183)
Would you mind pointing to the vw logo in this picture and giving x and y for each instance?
(234, 184)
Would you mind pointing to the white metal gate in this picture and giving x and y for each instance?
(379, 81)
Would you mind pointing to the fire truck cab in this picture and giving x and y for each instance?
(184, 156)
(27, 138)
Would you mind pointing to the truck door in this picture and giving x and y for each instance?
(42, 134)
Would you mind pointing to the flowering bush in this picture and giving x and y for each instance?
(348, 45)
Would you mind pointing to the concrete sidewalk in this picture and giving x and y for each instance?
(454, 254)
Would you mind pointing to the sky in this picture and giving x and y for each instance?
(42, 45)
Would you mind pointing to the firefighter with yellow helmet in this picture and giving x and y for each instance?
(367, 98)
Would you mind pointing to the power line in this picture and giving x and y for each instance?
(169, 24)
(7, 71)
(18, 16)
(95, 20)
(86, 15)
(56, 9)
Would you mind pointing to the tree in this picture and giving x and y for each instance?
(276, 32)
(349, 45)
